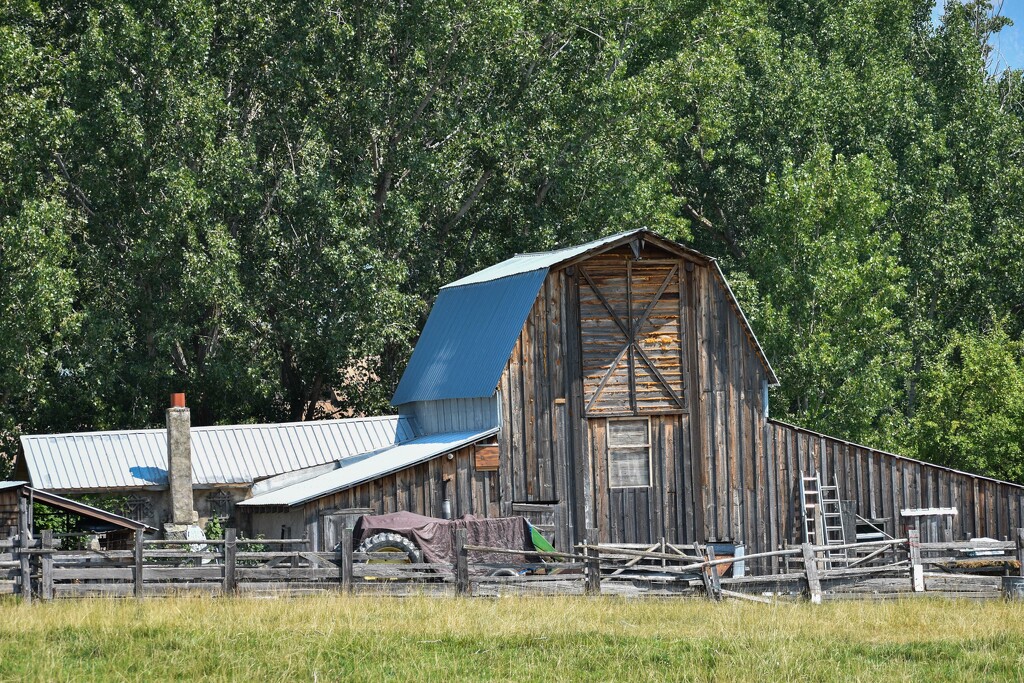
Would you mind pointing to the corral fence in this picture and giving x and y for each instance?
(41, 568)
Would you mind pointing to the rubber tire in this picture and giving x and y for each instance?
(504, 571)
(388, 541)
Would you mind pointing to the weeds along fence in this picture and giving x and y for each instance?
(40, 569)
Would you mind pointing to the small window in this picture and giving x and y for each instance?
(629, 453)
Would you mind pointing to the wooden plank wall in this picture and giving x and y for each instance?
(532, 392)
(8, 510)
(648, 514)
(729, 419)
(883, 483)
(616, 379)
(421, 489)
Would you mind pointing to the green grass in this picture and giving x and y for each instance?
(537, 639)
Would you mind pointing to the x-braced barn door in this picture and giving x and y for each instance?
(632, 336)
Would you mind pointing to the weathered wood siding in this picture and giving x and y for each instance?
(632, 336)
(881, 484)
(9, 511)
(611, 336)
(421, 489)
(533, 442)
(728, 415)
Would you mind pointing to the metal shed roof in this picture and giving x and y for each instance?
(365, 468)
(235, 454)
(476, 320)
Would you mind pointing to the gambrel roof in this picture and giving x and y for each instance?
(476, 320)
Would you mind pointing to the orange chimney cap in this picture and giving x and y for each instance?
(178, 400)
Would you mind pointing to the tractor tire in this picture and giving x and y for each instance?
(405, 550)
(504, 571)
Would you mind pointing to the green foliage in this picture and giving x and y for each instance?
(830, 284)
(256, 202)
(213, 529)
(971, 414)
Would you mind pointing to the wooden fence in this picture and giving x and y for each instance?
(39, 568)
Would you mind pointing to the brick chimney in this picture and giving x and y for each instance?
(179, 464)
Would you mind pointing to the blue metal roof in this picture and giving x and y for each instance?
(476, 320)
(468, 339)
(475, 323)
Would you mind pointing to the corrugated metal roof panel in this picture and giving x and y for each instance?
(365, 468)
(468, 338)
(233, 454)
(526, 263)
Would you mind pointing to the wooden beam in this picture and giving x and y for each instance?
(46, 566)
(137, 558)
(461, 563)
(230, 561)
(811, 570)
(345, 561)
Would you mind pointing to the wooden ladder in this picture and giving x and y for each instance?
(823, 518)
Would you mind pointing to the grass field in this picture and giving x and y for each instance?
(564, 638)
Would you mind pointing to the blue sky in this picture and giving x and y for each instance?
(1009, 42)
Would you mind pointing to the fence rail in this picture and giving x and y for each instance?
(879, 569)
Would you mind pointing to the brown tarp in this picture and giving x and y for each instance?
(436, 537)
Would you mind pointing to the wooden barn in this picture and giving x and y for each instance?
(626, 398)
(612, 391)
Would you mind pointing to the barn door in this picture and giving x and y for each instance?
(632, 344)
(638, 478)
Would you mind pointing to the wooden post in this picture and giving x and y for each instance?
(914, 552)
(811, 568)
(230, 552)
(24, 542)
(46, 566)
(592, 569)
(1020, 551)
(139, 578)
(713, 578)
(461, 563)
(345, 560)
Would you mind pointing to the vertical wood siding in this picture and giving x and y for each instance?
(720, 471)
(420, 489)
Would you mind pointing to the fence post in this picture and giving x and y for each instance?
(345, 561)
(593, 569)
(714, 580)
(46, 566)
(230, 553)
(811, 568)
(914, 552)
(23, 544)
(1020, 551)
(139, 579)
(461, 563)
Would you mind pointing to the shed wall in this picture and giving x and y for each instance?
(421, 489)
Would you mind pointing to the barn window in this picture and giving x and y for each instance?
(629, 453)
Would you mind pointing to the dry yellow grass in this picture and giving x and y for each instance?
(563, 638)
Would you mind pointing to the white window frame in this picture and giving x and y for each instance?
(609, 448)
